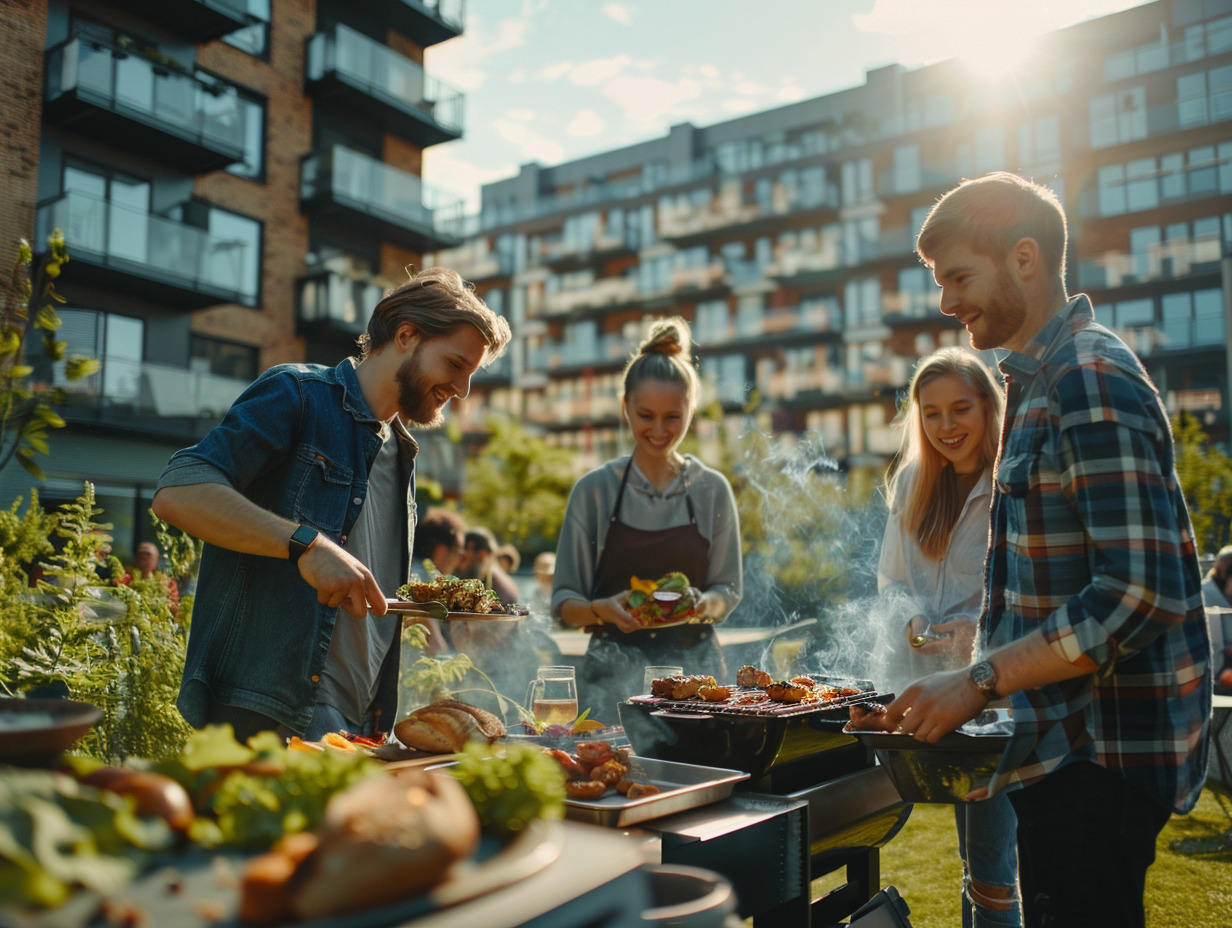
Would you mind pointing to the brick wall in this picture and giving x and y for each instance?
(23, 29)
(275, 202)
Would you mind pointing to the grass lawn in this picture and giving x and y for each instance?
(1189, 886)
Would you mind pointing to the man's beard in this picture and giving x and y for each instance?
(416, 399)
(1005, 313)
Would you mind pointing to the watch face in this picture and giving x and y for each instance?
(983, 675)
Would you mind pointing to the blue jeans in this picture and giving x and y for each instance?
(988, 846)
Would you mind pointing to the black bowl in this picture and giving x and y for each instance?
(33, 732)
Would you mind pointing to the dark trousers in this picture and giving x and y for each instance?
(1085, 840)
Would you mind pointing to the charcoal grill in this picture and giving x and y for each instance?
(799, 753)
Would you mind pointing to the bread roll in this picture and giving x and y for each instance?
(444, 727)
(385, 839)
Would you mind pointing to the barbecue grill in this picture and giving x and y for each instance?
(798, 753)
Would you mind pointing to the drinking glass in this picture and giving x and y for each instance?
(552, 695)
(656, 672)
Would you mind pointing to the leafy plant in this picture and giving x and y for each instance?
(118, 647)
(27, 303)
(454, 676)
(1205, 473)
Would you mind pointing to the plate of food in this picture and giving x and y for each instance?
(452, 599)
(665, 602)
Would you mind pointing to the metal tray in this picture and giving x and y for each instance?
(434, 610)
(683, 786)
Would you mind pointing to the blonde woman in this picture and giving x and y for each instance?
(933, 552)
(645, 514)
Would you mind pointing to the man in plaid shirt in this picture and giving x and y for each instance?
(1093, 623)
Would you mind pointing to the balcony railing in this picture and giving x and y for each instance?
(354, 186)
(160, 398)
(1162, 261)
(198, 20)
(123, 97)
(427, 22)
(150, 254)
(375, 81)
(333, 302)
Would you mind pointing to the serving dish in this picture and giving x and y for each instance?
(682, 786)
(948, 770)
(439, 611)
(33, 732)
(199, 889)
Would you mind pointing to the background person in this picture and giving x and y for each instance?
(933, 554)
(1093, 622)
(303, 496)
(1217, 598)
(438, 539)
(477, 561)
(645, 514)
(507, 558)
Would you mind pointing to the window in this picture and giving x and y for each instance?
(1118, 117)
(862, 302)
(858, 181)
(907, 169)
(1112, 190)
(234, 259)
(253, 39)
(1039, 141)
(109, 211)
(252, 113)
(989, 149)
(223, 358)
(1141, 185)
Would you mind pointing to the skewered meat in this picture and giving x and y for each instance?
(681, 687)
(714, 693)
(748, 675)
(585, 789)
(609, 772)
(784, 691)
(868, 716)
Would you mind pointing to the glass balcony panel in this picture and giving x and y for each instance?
(106, 233)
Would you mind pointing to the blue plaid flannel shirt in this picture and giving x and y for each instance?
(1092, 543)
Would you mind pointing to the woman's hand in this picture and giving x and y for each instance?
(613, 611)
(710, 607)
(961, 630)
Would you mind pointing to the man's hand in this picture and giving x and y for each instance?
(936, 705)
(340, 579)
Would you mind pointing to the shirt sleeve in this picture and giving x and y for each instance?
(726, 570)
(576, 549)
(1116, 474)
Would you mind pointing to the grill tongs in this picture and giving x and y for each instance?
(439, 611)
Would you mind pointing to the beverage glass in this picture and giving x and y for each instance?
(552, 695)
(656, 672)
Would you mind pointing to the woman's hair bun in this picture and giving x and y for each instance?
(667, 336)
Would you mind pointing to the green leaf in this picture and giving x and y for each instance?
(29, 466)
(47, 319)
(19, 371)
(79, 366)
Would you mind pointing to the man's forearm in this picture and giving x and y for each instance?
(222, 516)
(1031, 662)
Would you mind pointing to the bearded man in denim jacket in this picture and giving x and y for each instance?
(304, 497)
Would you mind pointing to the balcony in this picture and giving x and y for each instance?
(158, 257)
(149, 107)
(157, 399)
(1161, 261)
(373, 81)
(196, 20)
(358, 190)
(426, 22)
(334, 304)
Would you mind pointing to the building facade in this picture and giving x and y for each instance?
(786, 237)
(237, 182)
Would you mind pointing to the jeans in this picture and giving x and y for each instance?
(987, 844)
(1086, 837)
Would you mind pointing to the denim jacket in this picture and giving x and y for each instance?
(299, 442)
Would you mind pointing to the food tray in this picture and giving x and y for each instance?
(947, 770)
(683, 786)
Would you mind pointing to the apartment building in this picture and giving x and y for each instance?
(786, 237)
(237, 182)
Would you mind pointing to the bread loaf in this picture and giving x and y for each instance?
(385, 838)
(444, 727)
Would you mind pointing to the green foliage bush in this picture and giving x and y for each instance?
(112, 641)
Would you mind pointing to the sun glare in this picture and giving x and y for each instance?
(994, 54)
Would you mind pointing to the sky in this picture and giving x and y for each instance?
(554, 80)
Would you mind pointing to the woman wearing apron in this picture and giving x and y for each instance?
(644, 515)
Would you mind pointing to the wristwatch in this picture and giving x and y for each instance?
(301, 540)
(984, 676)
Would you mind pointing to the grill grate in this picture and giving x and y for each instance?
(765, 709)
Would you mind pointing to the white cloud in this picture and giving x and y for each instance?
(789, 93)
(586, 124)
(648, 99)
(708, 70)
(751, 89)
(464, 62)
(618, 12)
(521, 115)
(599, 70)
(532, 145)
(443, 171)
(553, 72)
(739, 104)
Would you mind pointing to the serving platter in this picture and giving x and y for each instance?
(200, 889)
(35, 731)
(440, 612)
(682, 786)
